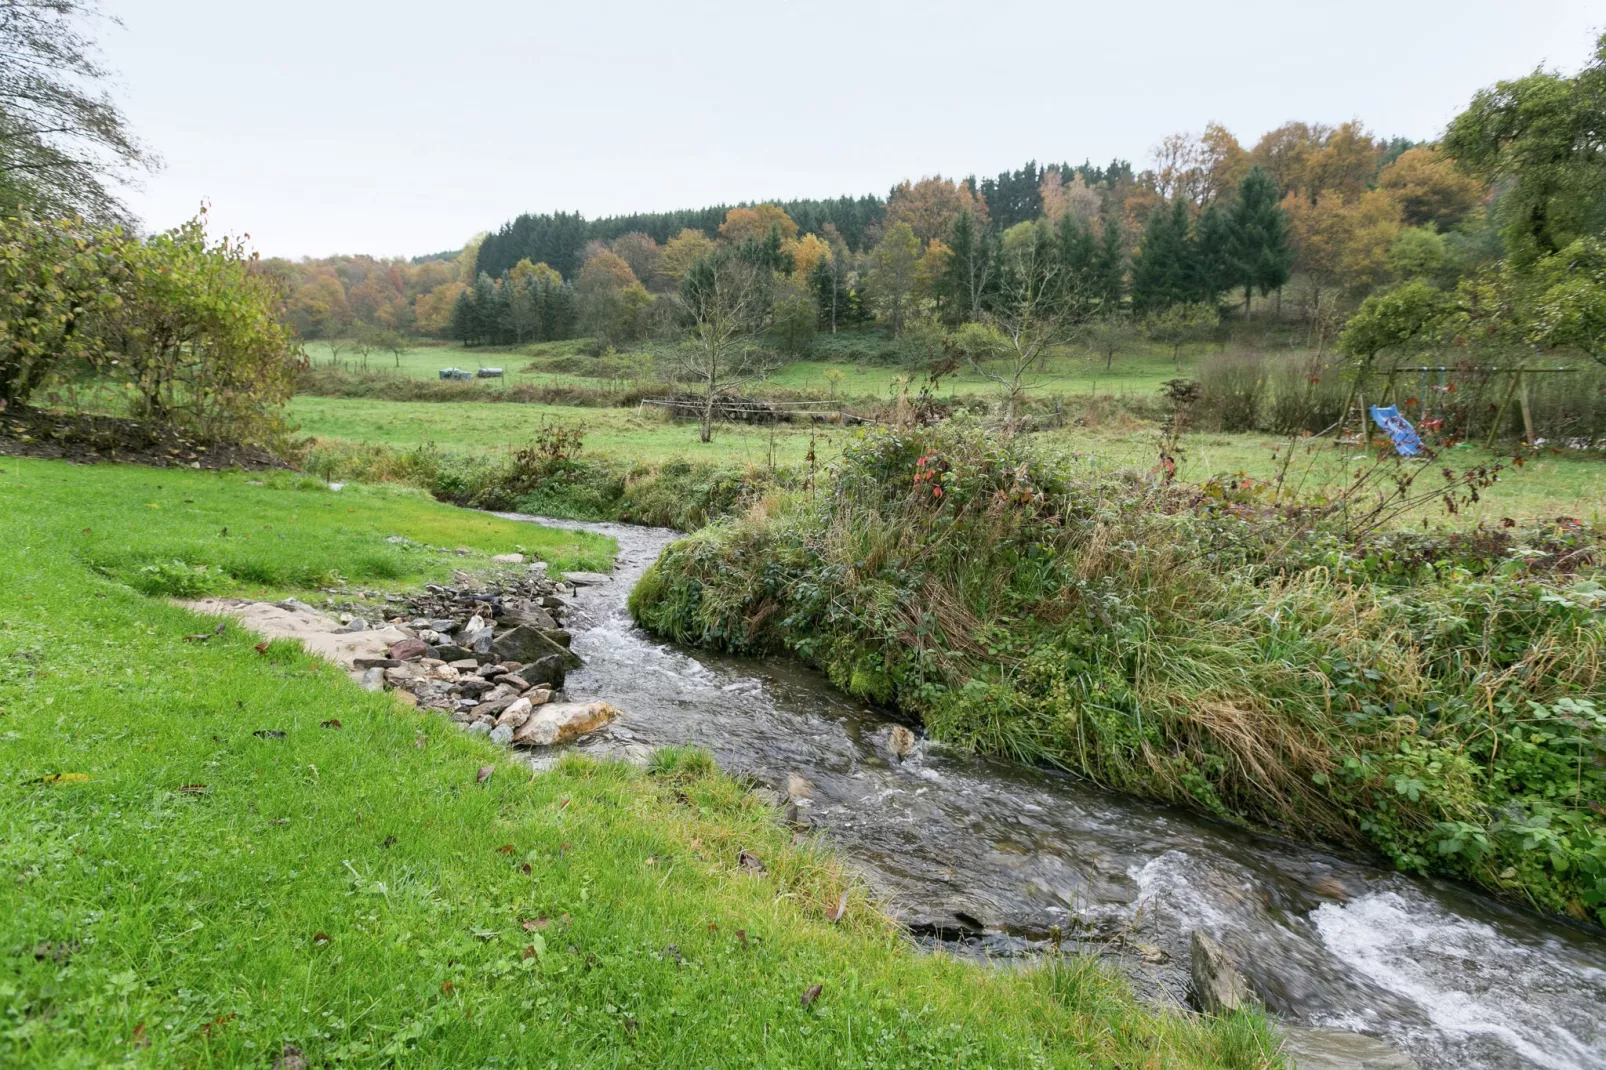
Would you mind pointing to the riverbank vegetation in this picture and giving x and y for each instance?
(224, 853)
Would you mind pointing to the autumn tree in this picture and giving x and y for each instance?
(892, 273)
(681, 252)
(613, 302)
(930, 206)
(1429, 189)
(744, 224)
(724, 301)
(806, 253)
(640, 252)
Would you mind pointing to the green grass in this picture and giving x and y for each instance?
(181, 891)
(621, 433)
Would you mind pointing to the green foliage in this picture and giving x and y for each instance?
(1436, 697)
(1259, 257)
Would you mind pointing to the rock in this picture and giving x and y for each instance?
(1333, 1049)
(768, 797)
(443, 672)
(560, 722)
(463, 664)
(478, 640)
(526, 644)
(491, 707)
(900, 741)
(587, 579)
(1218, 986)
(373, 679)
(443, 625)
(552, 601)
(534, 616)
(356, 624)
(450, 652)
(516, 714)
(538, 696)
(557, 636)
(550, 669)
(401, 674)
(374, 663)
(798, 787)
(503, 734)
(433, 638)
(409, 648)
(475, 623)
(296, 605)
(508, 559)
(513, 680)
(406, 698)
(478, 728)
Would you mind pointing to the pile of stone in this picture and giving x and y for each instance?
(493, 656)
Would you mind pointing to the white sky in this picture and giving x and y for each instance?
(332, 126)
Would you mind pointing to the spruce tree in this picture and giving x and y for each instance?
(1213, 271)
(1257, 237)
(1109, 265)
(969, 277)
(1163, 274)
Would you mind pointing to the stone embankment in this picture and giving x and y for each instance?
(491, 655)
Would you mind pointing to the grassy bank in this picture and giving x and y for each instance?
(1437, 697)
(214, 852)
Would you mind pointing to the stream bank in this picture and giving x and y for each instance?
(998, 860)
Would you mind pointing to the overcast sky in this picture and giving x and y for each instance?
(333, 126)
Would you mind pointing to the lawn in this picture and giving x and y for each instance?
(215, 851)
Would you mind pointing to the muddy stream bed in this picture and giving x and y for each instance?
(988, 858)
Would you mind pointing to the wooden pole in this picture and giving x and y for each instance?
(1500, 417)
(1527, 414)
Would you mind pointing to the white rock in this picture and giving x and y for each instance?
(516, 714)
(474, 624)
(560, 722)
(508, 559)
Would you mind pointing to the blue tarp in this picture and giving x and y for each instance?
(1398, 428)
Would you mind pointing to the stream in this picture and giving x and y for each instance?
(990, 858)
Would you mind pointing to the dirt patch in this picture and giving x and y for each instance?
(318, 633)
(89, 439)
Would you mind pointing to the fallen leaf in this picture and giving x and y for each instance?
(193, 789)
(86, 531)
(262, 647)
(389, 841)
(563, 849)
(750, 862)
(505, 849)
(484, 774)
(200, 638)
(219, 630)
(139, 1039)
(320, 938)
(217, 1023)
(532, 924)
(421, 742)
(841, 908)
(811, 994)
(564, 803)
(61, 778)
(447, 987)
(651, 861)
(331, 723)
(290, 1059)
(525, 869)
(741, 936)
(712, 927)
(529, 951)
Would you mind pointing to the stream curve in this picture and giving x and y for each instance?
(990, 858)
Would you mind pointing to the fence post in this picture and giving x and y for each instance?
(1505, 403)
(1527, 414)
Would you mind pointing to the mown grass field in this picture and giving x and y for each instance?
(214, 854)
(1073, 371)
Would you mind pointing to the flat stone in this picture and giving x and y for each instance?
(1218, 986)
(374, 663)
(587, 579)
(442, 625)
(1334, 1049)
(464, 664)
(409, 648)
(508, 559)
(560, 722)
(513, 680)
(450, 652)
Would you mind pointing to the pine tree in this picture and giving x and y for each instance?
(482, 321)
(1163, 274)
(1257, 237)
(970, 274)
(1212, 264)
(1109, 265)
(1076, 251)
(462, 326)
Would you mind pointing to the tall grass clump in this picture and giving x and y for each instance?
(1438, 698)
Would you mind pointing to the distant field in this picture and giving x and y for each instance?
(620, 433)
(1074, 372)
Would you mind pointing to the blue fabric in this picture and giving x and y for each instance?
(1398, 428)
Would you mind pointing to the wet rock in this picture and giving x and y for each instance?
(533, 615)
(560, 722)
(898, 741)
(552, 601)
(1218, 986)
(530, 645)
(409, 648)
(550, 669)
(1333, 1049)
(558, 636)
(586, 579)
(798, 787)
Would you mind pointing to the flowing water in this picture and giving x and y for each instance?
(992, 858)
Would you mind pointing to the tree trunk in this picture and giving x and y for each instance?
(707, 432)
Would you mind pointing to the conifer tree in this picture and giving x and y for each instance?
(1257, 237)
(1109, 265)
(1163, 274)
(970, 274)
(1213, 270)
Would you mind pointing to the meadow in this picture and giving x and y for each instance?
(220, 853)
